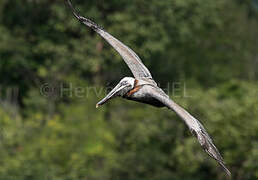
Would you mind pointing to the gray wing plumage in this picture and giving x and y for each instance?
(194, 125)
(130, 57)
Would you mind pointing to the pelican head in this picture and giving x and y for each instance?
(123, 87)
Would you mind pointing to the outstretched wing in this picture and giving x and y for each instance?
(132, 60)
(193, 124)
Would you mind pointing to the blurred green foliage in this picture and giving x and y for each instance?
(50, 129)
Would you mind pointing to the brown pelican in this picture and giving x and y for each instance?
(144, 89)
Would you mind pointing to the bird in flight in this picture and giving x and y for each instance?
(142, 88)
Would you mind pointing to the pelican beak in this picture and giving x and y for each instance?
(111, 94)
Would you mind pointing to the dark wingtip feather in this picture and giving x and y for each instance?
(210, 148)
(225, 169)
(84, 20)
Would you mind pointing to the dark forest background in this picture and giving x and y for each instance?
(53, 70)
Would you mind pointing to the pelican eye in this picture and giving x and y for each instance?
(123, 83)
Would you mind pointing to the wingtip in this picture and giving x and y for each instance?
(84, 20)
(207, 144)
(73, 9)
(223, 166)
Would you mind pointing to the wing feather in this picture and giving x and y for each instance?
(194, 125)
(130, 57)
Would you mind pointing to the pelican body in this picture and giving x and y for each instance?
(136, 90)
(142, 94)
(142, 88)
